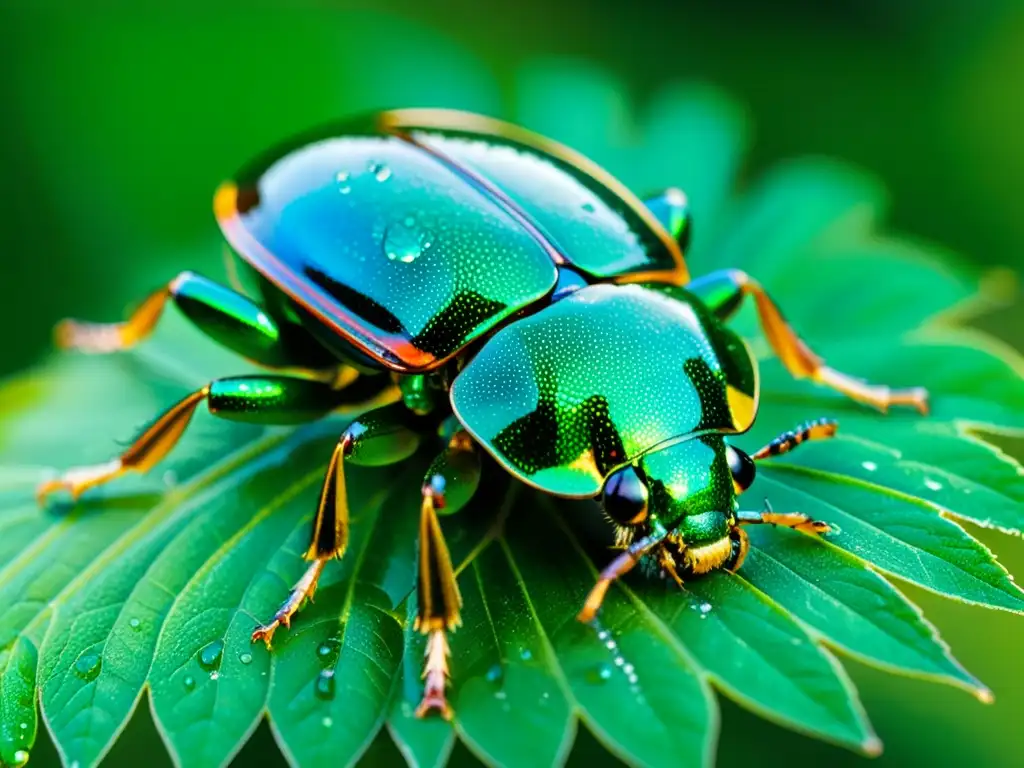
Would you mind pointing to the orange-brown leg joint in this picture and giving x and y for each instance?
(438, 601)
(304, 589)
(102, 338)
(801, 362)
(145, 453)
(620, 566)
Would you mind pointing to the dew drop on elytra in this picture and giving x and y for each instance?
(404, 243)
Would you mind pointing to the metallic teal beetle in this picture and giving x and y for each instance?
(475, 281)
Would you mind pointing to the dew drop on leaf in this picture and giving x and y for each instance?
(932, 485)
(327, 722)
(705, 608)
(210, 655)
(20, 758)
(588, 207)
(600, 674)
(342, 179)
(245, 658)
(88, 666)
(324, 686)
(494, 674)
(870, 466)
(134, 624)
(328, 650)
(525, 654)
(189, 682)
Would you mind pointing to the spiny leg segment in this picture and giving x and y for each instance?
(449, 485)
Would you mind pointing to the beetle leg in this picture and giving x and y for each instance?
(795, 520)
(229, 318)
(723, 293)
(448, 486)
(304, 589)
(819, 429)
(620, 566)
(255, 399)
(379, 437)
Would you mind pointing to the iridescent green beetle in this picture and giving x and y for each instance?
(479, 282)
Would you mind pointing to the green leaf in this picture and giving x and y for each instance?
(155, 583)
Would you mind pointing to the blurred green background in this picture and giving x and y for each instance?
(119, 121)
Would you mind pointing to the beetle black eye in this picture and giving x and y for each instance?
(625, 497)
(742, 468)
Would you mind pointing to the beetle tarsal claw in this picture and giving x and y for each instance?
(303, 589)
(435, 677)
(77, 481)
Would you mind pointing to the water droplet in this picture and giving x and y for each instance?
(610, 645)
(494, 673)
(324, 686)
(20, 757)
(342, 180)
(600, 674)
(189, 682)
(327, 722)
(406, 243)
(409, 221)
(328, 651)
(245, 658)
(629, 669)
(380, 171)
(525, 654)
(705, 608)
(870, 466)
(88, 666)
(500, 695)
(210, 655)
(619, 661)
(134, 624)
(23, 726)
(215, 675)
(170, 478)
(932, 485)
(588, 207)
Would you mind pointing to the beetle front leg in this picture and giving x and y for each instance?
(378, 438)
(450, 483)
(280, 400)
(229, 318)
(723, 292)
(796, 520)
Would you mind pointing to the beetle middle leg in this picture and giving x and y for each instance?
(724, 291)
(270, 400)
(380, 437)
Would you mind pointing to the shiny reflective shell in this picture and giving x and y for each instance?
(413, 233)
(565, 396)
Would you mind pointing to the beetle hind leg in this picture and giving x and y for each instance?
(723, 293)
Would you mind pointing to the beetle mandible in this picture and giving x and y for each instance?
(474, 280)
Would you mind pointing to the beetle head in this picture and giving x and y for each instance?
(684, 493)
